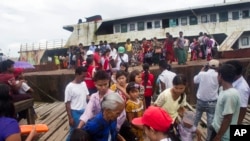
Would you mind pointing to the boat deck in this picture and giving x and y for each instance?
(55, 116)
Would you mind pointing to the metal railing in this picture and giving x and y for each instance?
(53, 44)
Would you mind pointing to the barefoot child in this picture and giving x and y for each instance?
(134, 108)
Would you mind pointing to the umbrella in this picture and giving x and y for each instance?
(23, 64)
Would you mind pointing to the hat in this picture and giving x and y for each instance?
(121, 49)
(155, 117)
(89, 52)
(214, 63)
(188, 117)
(18, 71)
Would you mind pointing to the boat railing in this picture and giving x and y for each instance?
(43, 45)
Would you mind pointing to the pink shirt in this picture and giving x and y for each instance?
(94, 107)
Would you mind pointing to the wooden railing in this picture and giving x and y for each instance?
(43, 45)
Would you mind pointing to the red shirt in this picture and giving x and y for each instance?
(88, 79)
(150, 84)
(97, 60)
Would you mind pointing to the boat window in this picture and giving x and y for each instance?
(193, 20)
(140, 26)
(132, 27)
(149, 25)
(245, 14)
(235, 15)
(117, 28)
(173, 22)
(244, 41)
(203, 18)
(184, 21)
(213, 18)
(157, 24)
(124, 28)
(223, 16)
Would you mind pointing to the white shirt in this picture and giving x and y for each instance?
(24, 87)
(167, 78)
(124, 58)
(241, 85)
(208, 85)
(76, 94)
(113, 53)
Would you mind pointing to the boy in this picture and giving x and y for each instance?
(76, 93)
(228, 105)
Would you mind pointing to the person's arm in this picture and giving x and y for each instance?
(160, 100)
(120, 138)
(163, 86)
(68, 110)
(242, 114)
(123, 90)
(88, 113)
(198, 134)
(14, 137)
(224, 126)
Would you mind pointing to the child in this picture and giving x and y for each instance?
(134, 108)
(79, 135)
(124, 66)
(120, 86)
(148, 83)
(135, 76)
(25, 88)
(187, 129)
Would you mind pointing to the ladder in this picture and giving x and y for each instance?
(230, 40)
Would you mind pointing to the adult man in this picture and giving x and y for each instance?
(241, 85)
(228, 104)
(207, 93)
(92, 47)
(180, 51)
(76, 93)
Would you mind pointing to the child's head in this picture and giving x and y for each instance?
(80, 73)
(188, 119)
(121, 77)
(156, 122)
(135, 76)
(145, 66)
(163, 65)
(101, 80)
(18, 73)
(133, 90)
(79, 135)
(124, 66)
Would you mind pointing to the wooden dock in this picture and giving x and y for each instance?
(55, 116)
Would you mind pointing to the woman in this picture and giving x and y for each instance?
(10, 130)
(103, 125)
(173, 99)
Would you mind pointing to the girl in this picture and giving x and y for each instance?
(105, 61)
(134, 108)
(148, 83)
(120, 86)
(135, 76)
(124, 66)
(173, 99)
(89, 76)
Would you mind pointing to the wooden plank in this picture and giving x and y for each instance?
(23, 105)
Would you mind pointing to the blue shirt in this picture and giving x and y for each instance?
(100, 130)
(8, 126)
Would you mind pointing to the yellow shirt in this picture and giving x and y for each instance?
(128, 47)
(166, 101)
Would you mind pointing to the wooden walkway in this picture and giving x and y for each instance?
(55, 116)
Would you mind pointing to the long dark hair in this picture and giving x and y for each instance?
(146, 74)
(180, 79)
(7, 108)
(133, 74)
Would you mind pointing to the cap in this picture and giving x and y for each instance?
(155, 117)
(18, 71)
(214, 63)
(89, 52)
(188, 117)
(121, 49)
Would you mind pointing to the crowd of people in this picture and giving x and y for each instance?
(107, 102)
(149, 51)
(132, 114)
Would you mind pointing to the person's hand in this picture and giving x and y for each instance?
(71, 121)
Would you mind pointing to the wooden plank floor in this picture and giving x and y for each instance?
(55, 116)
